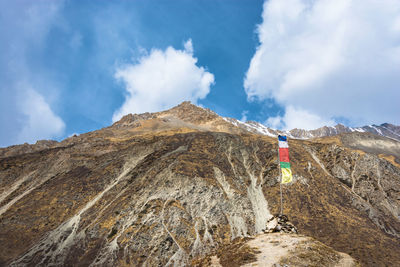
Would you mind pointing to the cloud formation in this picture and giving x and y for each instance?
(297, 118)
(40, 122)
(326, 59)
(163, 79)
(25, 114)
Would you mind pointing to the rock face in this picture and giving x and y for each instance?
(171, 188)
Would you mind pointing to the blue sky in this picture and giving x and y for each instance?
(75, 66)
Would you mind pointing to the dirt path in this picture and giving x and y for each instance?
(273, 247)
(295, 249)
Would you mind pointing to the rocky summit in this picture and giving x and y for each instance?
(186, 187)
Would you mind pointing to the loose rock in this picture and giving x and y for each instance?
(280, 223)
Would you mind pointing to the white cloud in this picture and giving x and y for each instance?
(328, 59)
(188, 45)
(244, 116)
(163, 79)
(297, 118)
(40, 121)
(25, 111)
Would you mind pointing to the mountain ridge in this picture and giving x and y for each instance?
(173, 188)
(385, 129)
(133, 120)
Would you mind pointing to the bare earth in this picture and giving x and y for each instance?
(277, 249)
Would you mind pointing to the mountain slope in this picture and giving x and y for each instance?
(172, 187)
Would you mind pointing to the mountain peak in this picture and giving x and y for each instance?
(189, 112)
(130, 118)
(185, 112)
(195, 116)
(184, 185)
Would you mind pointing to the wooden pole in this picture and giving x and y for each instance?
(280, 182)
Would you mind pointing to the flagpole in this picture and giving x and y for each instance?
(280, 182)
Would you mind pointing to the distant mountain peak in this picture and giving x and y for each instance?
(196, 115)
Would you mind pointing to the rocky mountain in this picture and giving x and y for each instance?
(384, 130)
(187, 187)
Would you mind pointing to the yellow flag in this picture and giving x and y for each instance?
(286, 175)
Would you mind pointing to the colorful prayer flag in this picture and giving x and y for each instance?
(284, 159)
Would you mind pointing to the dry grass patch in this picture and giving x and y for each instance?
(313, 254)
(237, 253)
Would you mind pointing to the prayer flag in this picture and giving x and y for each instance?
(284, 159)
